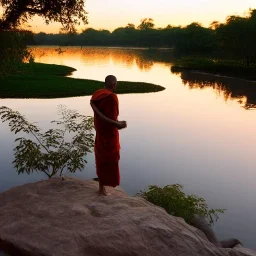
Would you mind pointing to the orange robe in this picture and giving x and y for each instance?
(107, 146)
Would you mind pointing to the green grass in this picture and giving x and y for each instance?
(39, 80)
(215, 66)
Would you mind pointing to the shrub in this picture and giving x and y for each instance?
(55, 150)
(177, 203)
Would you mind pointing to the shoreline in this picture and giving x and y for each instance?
(222, 74)
(102, 46)
(44, 81)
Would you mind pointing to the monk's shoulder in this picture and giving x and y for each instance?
(114, 97)
(99, 91)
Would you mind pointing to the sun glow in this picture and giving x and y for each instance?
(114, 13)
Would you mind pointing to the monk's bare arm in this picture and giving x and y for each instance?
(118, 124)
(96, 110)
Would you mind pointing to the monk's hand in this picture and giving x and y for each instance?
(121, 125)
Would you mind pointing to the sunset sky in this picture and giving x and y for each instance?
(110, 14)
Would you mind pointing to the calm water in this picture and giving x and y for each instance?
(199, 132)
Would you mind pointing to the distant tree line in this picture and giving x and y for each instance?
(236, 38)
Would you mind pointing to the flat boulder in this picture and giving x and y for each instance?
(68, 218)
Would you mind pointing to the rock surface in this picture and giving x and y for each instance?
(68, 218)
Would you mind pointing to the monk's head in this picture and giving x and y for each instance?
(110, 82)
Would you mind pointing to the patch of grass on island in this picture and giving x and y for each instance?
(231, 68)
(39, 80)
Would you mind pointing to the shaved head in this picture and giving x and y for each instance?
(110, 82)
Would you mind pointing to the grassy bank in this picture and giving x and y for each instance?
(39, 80)
(220, 67)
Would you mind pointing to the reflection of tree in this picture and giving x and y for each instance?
(144, 65)
(55, 150)
(123, 56)
(143, 58)
(230, 88)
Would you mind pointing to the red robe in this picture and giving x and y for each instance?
(107, 145)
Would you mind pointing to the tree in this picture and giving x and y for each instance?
(146, 23)
(68, 12)
(55, 150)
(92, 36)
(214, 25)
(13, 50)
(237, 37)
(130, 25)
(193, 39)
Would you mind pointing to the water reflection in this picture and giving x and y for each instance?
(244, 91)
(143, 58)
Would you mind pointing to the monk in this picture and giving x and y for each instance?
(104, 103)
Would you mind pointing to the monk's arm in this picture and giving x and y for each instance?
(96, 110)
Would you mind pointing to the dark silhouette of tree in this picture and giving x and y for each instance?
(68, 12)
(130, 25)
(91, 36)
(146, 23)
(238, 38)
(193, 39)
(13, 50)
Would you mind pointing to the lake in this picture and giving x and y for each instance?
(199, 132)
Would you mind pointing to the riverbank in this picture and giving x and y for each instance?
(38, 80)
(217, 67)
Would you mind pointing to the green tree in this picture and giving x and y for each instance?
(51, 152)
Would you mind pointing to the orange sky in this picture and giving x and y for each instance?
(110, 14)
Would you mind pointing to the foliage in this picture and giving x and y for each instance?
(55, 150)
(47, 81)
(216, 66)
(177, 203)
(130, 25)
(13, 51)
(68, 12)
(237, 37)
(147, 23)
(193, 39)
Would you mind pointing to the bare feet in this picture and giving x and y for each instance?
(103, 190)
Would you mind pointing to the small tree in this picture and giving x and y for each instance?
(55, 150)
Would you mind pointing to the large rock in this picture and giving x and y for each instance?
(59, 218)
